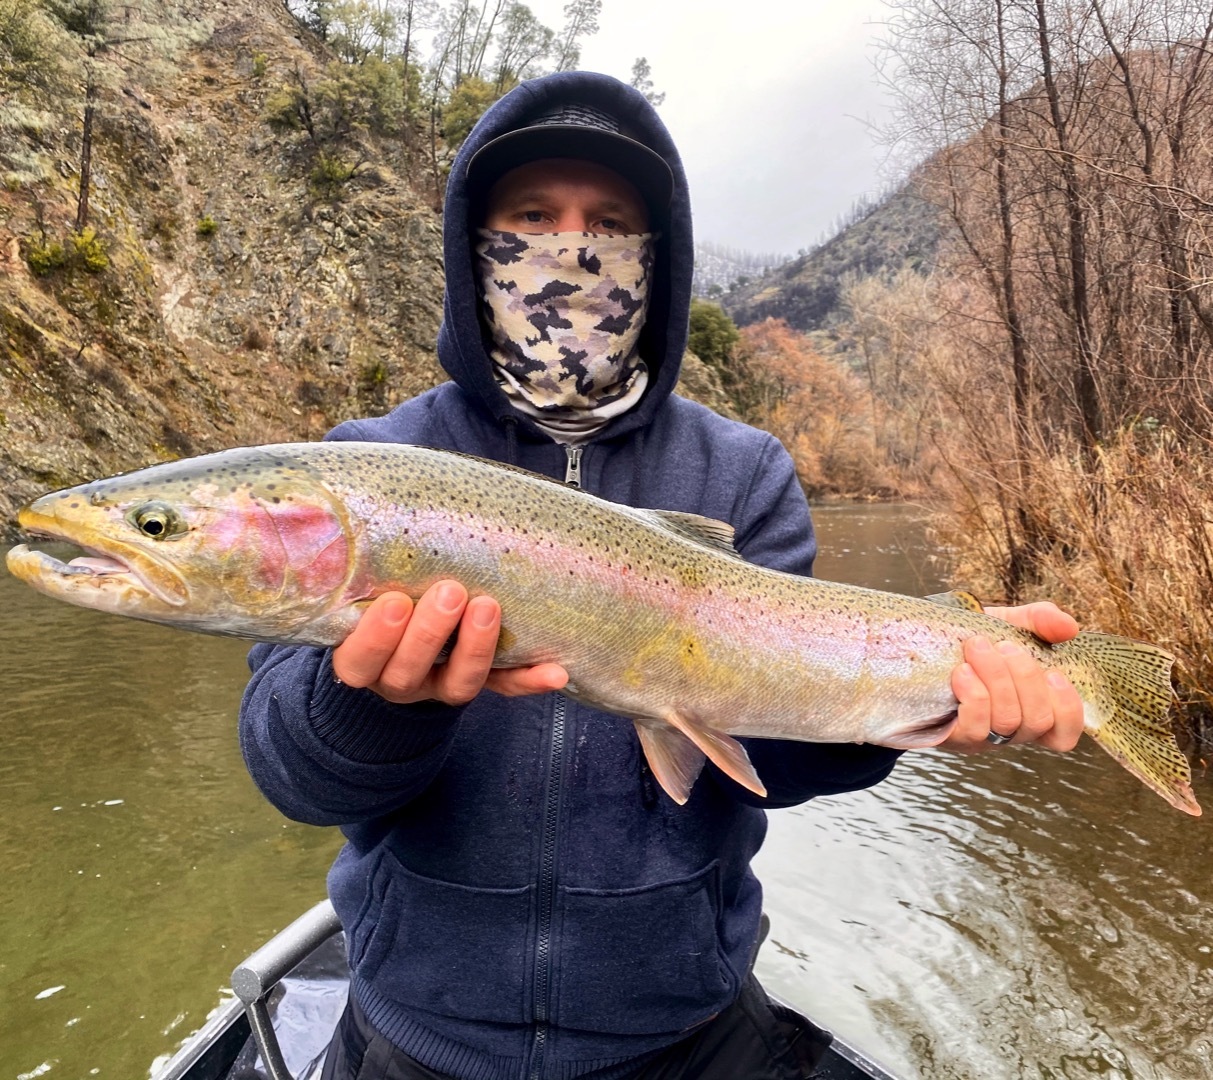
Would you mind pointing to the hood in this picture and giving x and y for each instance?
(462, 348)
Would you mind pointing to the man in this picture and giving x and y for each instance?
(519, 898)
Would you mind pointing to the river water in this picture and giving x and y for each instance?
(1020, 915)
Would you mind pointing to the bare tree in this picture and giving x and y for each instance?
(1071, 144)
(1161, 113)
(580, 21)
(113, 35)
(958, 68)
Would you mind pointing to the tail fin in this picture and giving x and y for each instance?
(1127, 711)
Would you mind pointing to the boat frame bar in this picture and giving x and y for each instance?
(256, 977)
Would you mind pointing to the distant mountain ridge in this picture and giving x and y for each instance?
(719, 268)
(901, 230)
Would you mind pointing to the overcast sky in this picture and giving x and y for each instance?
(767, 100)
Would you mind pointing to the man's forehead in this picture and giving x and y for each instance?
(537, 193)
(541, 179)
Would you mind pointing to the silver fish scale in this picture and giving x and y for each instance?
(663, 611)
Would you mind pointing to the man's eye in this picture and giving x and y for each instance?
(533, 216)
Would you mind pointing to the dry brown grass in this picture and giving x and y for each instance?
(1128, 546)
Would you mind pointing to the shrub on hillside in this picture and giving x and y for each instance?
(44, 257)
(817, 408)
(329, 175)
(85, 250)
(90, 250)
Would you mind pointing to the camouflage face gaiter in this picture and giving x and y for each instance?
(564, 311)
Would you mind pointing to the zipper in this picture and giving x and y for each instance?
(542, 987)
(547, 883)
(572, 469)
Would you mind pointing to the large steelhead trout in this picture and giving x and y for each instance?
(653, 614)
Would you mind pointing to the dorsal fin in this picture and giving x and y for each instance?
(717, 535)
(506, 466)
(957, 598)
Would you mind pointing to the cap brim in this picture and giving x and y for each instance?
(633, 160)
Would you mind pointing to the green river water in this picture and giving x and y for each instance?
(1021, 915)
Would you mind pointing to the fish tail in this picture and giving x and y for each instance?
(1126, 687)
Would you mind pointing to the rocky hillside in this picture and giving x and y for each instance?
(899, 231)
(237, 305)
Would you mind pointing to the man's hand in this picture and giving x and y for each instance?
(394, 647)
(1001, 687)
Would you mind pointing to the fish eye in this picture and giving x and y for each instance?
(157, 520)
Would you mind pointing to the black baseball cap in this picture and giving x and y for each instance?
(575, 131)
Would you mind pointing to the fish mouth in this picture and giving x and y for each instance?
(103, 573)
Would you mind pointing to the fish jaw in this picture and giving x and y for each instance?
(115, 590)
(112, 576)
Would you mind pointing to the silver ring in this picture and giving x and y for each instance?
(999, 740)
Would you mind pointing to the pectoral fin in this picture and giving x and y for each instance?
(926, 733)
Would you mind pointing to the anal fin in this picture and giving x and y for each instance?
(676, 745)
(725, 752)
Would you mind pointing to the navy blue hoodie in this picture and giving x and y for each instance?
(519, 900)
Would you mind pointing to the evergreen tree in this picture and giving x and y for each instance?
(359, 29)
(27, 47)
(466, 105)
(642, 80)
(715, 339)
(32, 80)
(523, 43)
(713, 335)
(580, 21)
